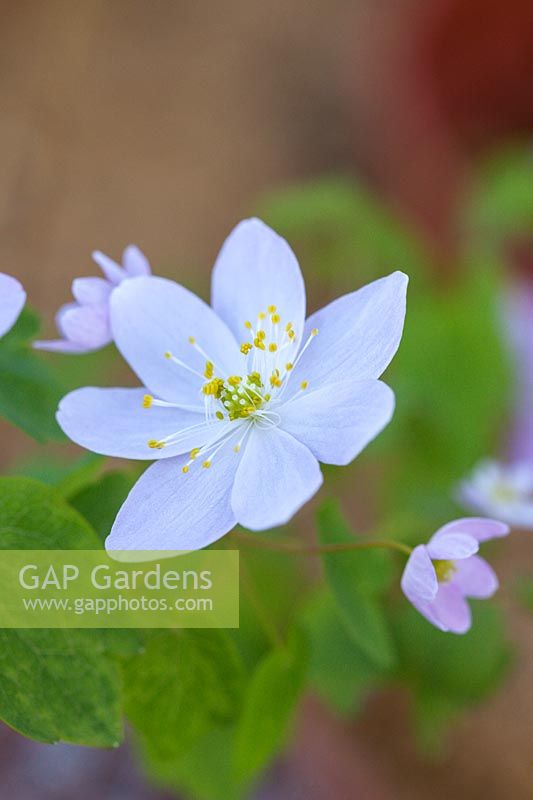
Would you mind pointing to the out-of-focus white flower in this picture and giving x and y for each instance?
(502, 491)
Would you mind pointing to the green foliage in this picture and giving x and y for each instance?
(29, 390)
(34, 516)
(342, 236)
(524, 592)
(205, 771)
(60, 685)
(451, 382)
(449, 672)
(339, 671)
(67, 475)
(57, 684)
(269, 705)
(99, 502)
(357, 580)
(500, 204)
(184, 683)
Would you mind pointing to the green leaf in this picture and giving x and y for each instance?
(67, 475)
(29, 393)
(181, 685)
(34, 516)
(57, 684)
(339, 671)
(356, 580)
(268, 706)
(99, 502)
(204, 771)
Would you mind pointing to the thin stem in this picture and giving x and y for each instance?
(318, 550)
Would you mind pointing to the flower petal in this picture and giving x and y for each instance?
(61, 346)
(276, 476)
(90, 291)
(419, 580)
(480, 528)
(475, 577)
(255, 269)
(135, 262)
(87, 326)
(338, 420)
(112, 271)
(114, 422)
(452, 546)
(153, 316)
(451, 610)
(167, 510)
(358, 334)
(12, 299)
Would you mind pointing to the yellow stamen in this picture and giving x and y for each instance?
(147, 400)
(236, 448)
(261, 315)
(271, 309)
(219, 415)
(155, 445)
(304, 385)
(288, 326)
(248, 325)
(259, 344)
(245, 348)
(192, 340)
(213, 388)
(272, 347)
(168, 354)
(314, 332)
(206, 464)
(288, 366)
(194, 453)
(275, 318)
(209, 368)
(185, 469)
(234, 380)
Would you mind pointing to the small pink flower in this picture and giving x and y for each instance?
(84, 325)
(442, 574)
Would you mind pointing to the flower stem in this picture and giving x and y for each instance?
(318, 550)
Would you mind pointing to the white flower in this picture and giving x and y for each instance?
(502, 491)
(243, 399)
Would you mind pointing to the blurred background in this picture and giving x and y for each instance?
(163, 123)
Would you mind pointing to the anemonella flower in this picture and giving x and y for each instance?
(12, 300)
(84, 325)
(242, 399)
(440, 575)
(505, 491)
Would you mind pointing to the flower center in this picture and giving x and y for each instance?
(233, 403)
(503, 492)
(444, 570)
